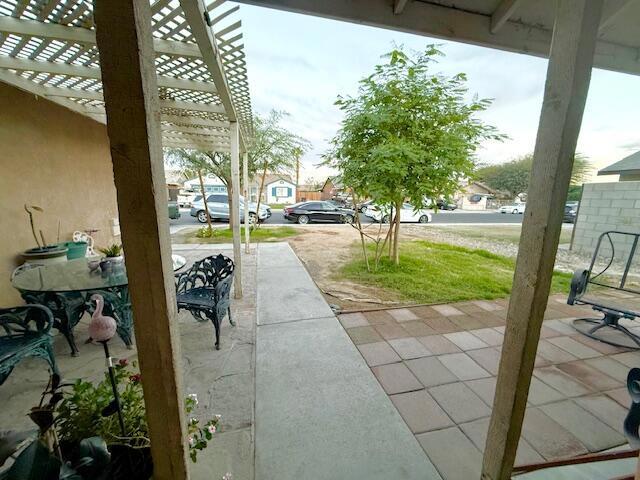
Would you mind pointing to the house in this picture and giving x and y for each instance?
(212, 184)
(628, 168)
(279, 189)
(332, 188)
(307, 193)
(475, 196)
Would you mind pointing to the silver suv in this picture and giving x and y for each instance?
(218, 206)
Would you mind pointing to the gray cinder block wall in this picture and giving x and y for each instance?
(606, 206)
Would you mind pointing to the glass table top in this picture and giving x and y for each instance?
(69, 276)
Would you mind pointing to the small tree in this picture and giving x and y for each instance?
(409, 134)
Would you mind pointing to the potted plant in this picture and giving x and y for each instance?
(112, 256)
(43, 252)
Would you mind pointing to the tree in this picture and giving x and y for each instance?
(273, 148)
(409, 134)
(513, 176)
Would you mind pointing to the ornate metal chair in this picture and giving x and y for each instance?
(24, 332)
(204, 290)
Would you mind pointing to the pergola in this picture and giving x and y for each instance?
(575, 35)
(159, 73)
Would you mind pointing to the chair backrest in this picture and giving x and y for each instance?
(79, 236)
(18, 321)
(22, 268)
(207, 272)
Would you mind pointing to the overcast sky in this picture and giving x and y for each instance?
(300, 64)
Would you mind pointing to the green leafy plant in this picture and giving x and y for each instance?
(199, 434)
(205, 232)
(111, 251)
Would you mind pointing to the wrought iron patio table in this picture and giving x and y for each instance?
(67, 287)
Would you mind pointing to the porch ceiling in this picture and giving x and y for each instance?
(48, 47)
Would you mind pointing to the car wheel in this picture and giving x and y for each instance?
(514, 211)
(363, 209)
(423, 219)
(348, 219)
(385, 219)
(252, 218)
(202, 216)
(303, 219)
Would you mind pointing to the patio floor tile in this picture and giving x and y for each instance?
(575, 348)
(485, 388)
(460, 402)
(379, 317)
(562, 382)
(409, 348)
(390, 332)
(477, 432)
(420, 411)
(350, 320)
(447, 310)
(462, 462)
(360, 335)
(424, 311)
(487, 358)
(465, 340)
(466, 322)
(488, 319)
(606, 409)
(488, 306)
(442, 325)
(468, 307)
(438, 345)
(554, 313)
(593, 434)
(609, 366)
(589, 375)
(548, 438)
(601, 347)
(430, 371)
(630, 359)
(548, 332)
(463, 366)
(378, 353)
(540, 393)
(396, 378)
(552, 353)
(489, 336)
(418, 328)
(561, 327)
(402, 314)
(620, 395)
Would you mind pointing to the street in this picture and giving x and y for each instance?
(441, 217)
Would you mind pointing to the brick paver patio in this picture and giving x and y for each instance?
(438, 364)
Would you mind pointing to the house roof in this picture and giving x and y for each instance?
(308, 188)
(49, 48)
(630, 164)
(336, 180)
(275, 178)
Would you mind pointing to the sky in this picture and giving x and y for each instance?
(300, 64)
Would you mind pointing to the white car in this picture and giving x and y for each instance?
(517, 208)
(407, 214)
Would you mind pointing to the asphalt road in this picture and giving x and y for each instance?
(457, 217)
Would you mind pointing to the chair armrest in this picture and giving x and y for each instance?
(18, 320)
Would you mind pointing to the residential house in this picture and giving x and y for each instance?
(212, 184)
(307, 193)
(628, 168)
(279, 189)
(475, 196)
(332, 188)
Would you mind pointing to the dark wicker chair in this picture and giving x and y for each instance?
(204, 291)
(24, 332)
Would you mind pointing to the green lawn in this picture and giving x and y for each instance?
(506, 233)
(437, 273)
(225, 235)
(279, 206)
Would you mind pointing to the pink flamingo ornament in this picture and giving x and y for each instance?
(101, 328)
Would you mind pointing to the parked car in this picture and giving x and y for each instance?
(570, 212)
(407, 214)
(446, 205)
(218, 206)
(326, 212)
(174, 211)
(516, 208)
(186, 197)
(364, 205)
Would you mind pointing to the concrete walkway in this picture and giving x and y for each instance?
(320, 412)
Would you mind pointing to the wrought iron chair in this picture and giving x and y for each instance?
(204, 290)
(24, 332)
(612, 290)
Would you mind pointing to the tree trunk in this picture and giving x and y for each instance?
(230, 197)
(204, 199)
(391, 223)
(264, 174)
(396, 234)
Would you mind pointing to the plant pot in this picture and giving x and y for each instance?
(75, 249)
(45, 255)
(130, 463)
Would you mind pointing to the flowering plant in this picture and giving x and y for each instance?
(198, 434)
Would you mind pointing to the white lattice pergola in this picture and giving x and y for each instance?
(49, 48)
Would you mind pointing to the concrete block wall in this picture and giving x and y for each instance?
(607, 206)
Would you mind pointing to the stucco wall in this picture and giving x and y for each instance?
(606, 206)
(58, 160)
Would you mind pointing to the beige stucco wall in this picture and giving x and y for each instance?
(58, 160)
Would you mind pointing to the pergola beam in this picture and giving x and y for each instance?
(565, 95)
(457, 25)
(398, 6)
(84, 36)
(502, 13)
(177, 119)
(611, 11)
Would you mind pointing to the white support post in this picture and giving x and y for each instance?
(235, 207)
(568, 76)
(125, 43)
(245, 184)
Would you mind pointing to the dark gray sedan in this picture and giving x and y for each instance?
(322, 212)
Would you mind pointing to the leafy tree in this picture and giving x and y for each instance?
(409, 134)
(513, 176)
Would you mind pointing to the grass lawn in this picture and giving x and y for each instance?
(506, 233)
(225, 235)
(437, 273)
(279, 206)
